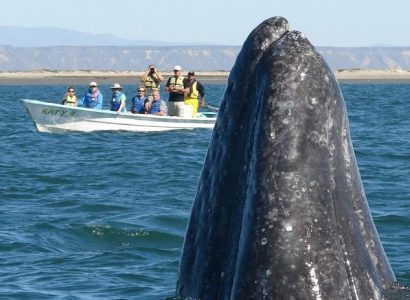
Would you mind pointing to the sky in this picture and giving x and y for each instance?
(347, 23)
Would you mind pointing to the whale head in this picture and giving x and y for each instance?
(280, 210)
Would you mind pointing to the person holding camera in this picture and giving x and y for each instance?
(151, 80)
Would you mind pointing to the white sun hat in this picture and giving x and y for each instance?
(177, 68)
(93, 83)
(116, 86)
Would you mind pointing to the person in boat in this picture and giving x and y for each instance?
(196, 89)
(70, 99)
(118, 99)
(93, 98)
(158, 106)
(177, 86)
(137, 102)
(146, 109)
(151, 80)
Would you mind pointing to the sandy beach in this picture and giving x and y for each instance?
(102, 77)
(129, 77)
(362, 75)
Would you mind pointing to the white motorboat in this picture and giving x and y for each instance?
(57, 118)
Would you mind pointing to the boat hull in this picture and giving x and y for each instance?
(57, 118)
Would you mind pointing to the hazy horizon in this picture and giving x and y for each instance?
(349, 23)
(48, 36)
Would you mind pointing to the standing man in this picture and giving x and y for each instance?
(151, 80)
(177, 86)
(195, 89)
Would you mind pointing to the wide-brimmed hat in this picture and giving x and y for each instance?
(116, 86)
(177, 68)
(93, 83)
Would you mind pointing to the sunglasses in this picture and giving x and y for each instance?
(71, 91)
(141, 91)
(93, 86)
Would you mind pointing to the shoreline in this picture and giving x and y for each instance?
(372, 76)
(131, 77)
(102, 77)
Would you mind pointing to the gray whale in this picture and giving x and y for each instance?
(280, 211)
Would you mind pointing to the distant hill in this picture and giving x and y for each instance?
(207, 58)
(367, 57)
(51, 36)
(200, 58)
(64, 49)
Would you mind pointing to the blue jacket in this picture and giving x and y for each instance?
(117, 97)
(156, 107)
(137, 104)
(90, 101)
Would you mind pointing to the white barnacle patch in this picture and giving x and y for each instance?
(272, 135)
(294, 85)
(313, 101)
(273, 215)
(271, 198)
(293, 154)
(302, 75)
(264, 241)
(314, 281)
(312, 184)
(288, 228)
(323, 141)
(285, 121)
(288, 104)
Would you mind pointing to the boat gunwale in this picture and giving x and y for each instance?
(124, 115)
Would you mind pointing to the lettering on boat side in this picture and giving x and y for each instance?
(58, 112)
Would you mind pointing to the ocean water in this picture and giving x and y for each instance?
(103, 215)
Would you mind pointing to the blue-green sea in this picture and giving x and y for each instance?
(103, 215)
